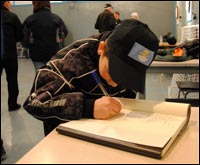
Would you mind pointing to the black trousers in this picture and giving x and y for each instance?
(11, 70)
(50, 124)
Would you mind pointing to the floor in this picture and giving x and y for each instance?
(20, 131)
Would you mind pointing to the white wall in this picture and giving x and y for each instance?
(183, 13)
(80, 16)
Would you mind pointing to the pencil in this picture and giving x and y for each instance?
(99, 83)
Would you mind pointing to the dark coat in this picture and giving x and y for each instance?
(12, 31)
(65, 89)
(42, 31)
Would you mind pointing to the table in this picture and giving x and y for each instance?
(182, 67)
(60, 149)
(190, 66)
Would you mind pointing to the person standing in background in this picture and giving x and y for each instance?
(105, 20)
(3, 151)
(44, 32)
(117, 17)
(12, 31)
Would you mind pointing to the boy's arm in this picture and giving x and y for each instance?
(51, 97)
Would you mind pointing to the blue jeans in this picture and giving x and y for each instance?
(38, 65)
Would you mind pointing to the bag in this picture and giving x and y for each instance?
(174, 55)
(186, 51)
(192, 48)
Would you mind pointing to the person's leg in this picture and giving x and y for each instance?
(11, 69)
(1, 67)
(50, 125)
(3, 151)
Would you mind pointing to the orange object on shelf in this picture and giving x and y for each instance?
(178, 52)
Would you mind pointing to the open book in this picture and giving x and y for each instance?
(143, 126)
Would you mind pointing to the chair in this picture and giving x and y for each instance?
(186, 87)
(22, 52)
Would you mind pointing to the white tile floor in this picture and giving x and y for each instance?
(20, 131)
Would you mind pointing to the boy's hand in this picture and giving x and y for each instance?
(106, 107)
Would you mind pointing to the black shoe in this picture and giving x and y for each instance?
(3, 154)
(14, 107)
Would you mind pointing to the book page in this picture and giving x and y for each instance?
(171, 108)
(147, 128)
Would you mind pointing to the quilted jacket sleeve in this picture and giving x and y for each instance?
(52, 97)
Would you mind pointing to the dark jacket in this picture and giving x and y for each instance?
(12, 31)
(42, 31)
(65, 88)
(105, 21)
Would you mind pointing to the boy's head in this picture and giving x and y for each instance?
(130, 49)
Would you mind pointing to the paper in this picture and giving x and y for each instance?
(147, 128)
